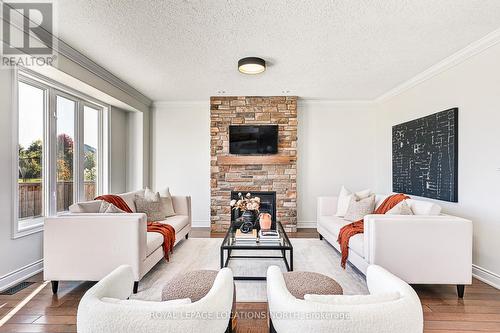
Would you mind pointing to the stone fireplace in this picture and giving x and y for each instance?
(275, 174)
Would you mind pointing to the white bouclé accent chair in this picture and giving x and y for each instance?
(392, 307)
(105, 308)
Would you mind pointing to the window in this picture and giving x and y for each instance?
(31, 166)
(59, 151)
(65, 182)
(90, 142)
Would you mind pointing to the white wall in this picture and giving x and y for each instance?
(135, 151)
(181, 153)
(335, 147)
(22, 256)
(118, 150)
(474, 87)
(328, 135)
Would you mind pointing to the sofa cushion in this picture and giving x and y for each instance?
(333, 224)
(92, 206)
(109, 208)
(301, 283)
(129, 198)
(153, 241)
(402, 208)
(193, 285)
(420, 207)
(379, 198)
(178, 222)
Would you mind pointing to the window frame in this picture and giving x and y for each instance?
(23, 227)
(76, 167)
(52, 89)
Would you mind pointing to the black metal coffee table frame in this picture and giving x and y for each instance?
(228, 245)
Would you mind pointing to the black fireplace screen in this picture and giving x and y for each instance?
(267, 203)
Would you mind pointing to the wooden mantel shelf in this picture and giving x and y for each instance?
(252, 160)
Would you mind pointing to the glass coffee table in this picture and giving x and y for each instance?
(282, 246)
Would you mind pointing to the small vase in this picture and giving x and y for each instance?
(265, 221)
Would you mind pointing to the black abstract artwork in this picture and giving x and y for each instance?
(425, 156)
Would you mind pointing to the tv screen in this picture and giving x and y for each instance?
(256, 139)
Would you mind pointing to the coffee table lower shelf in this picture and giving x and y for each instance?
(224, 259)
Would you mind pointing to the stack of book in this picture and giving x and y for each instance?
(269, 237)
(241, 238)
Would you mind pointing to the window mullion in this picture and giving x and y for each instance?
(80, 151)
(100, 155)
(50, 155)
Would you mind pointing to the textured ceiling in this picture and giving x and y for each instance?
(318, 49)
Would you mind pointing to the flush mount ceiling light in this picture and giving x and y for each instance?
(251, 65)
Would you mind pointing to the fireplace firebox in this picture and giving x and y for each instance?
(267, 204)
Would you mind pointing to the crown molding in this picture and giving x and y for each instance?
(455, 59)
(62, 48)
(180, 103)
(72, 54)
(326, 102)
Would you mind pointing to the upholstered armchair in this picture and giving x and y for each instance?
(106, 308)
(392, 307)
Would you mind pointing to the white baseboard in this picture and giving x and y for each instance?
(306, 224)
(200, 224)
(21, 274)
(486, 276)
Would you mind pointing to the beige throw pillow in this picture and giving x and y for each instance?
(86, 207)
(151, 206)
(358, 208)
(108, 208)
(150, 195)
(401, 208)
(167, 203)
(344, 199)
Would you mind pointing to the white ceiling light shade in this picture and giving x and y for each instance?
(251, 65)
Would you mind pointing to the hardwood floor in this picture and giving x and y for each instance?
(479, 311)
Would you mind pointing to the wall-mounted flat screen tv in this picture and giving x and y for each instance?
(253, 139)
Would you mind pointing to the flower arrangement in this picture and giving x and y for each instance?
(246, 202)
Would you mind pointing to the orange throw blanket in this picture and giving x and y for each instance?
(167, 231)
(347, 231)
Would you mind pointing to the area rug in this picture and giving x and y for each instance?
(311, 255)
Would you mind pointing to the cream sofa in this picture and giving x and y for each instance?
(392, 307)
(425, 248)
(87, 246)
(105, 308)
